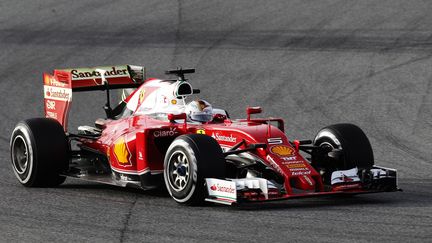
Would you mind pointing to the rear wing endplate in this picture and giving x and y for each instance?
(58, 87)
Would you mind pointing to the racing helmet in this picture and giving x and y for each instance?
(199, 110)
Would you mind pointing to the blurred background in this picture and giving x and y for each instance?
(313, 63)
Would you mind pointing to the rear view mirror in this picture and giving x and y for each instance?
(173, 117)
(253, 110)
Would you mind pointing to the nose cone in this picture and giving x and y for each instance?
(304, 182)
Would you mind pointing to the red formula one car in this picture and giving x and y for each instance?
(154, 136)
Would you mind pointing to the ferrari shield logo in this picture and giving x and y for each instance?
(141, 95)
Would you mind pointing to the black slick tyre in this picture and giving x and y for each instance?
(189, 160)
(354, 149)
(39, 152)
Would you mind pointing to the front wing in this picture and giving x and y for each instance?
(234, 191)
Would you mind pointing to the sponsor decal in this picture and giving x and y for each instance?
(164, 99)
(274, 165)
(200, 131)
(165, 133)
(224, 138)
(57, 93)
(297, 165)
(282, 150)
(121, 152)
(50, 104)
(298, 169)
(274, 141)
(51, 114)
(114, 72)
(346, 186)
(222, 189)
(50, 80)
(347, 178)
(124, 177)
(46, 79)
(140, 156)
(292, 162)
(301, 172)
(289, 159)
(308, 180)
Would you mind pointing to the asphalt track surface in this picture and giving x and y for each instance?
(313, 63)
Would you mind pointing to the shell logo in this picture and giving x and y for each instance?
(121, 151)
(282, 150)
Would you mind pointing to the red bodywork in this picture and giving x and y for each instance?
(140, 133)
(136, 144)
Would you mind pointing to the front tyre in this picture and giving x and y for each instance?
(342, 147)
(189, 160)
(39, 152)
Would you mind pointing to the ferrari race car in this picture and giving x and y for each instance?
(158, 135)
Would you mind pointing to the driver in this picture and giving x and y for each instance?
(199, 110)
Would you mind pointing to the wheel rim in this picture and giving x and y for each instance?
(329, 146)
(178, 170)
(20, 155)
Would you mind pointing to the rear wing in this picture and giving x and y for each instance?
(58, 87)
(123, 76)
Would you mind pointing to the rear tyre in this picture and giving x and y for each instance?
(348, 146)
(189, 160)
(39, 152)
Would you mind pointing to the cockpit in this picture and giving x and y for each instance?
(158, 98)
